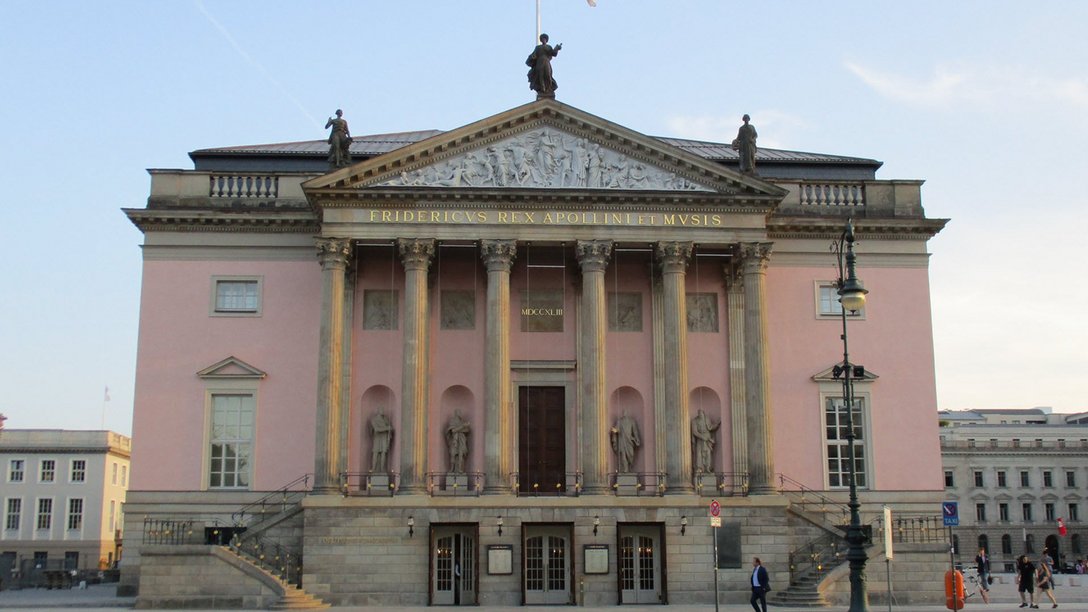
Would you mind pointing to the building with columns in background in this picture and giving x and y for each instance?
(515, 362)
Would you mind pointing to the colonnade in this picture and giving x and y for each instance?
(748, 368)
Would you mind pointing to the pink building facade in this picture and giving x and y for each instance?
(483, 364)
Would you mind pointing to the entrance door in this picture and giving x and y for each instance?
(640, 564)
(453, 571)
(542, 440)
(547, 565)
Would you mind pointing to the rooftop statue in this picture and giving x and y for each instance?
(540, 68)
(745, 143)
(339, 141)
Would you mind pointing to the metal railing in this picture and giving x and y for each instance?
(370, 484)
(460, 484)
(277, 502)
(167, 531)
(645, 484)
(816, 558)
(727, 484)
(915, 529)
(272, 556)
(569, 486)
(810, 500)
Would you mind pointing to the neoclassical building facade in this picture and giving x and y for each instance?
(515, 362)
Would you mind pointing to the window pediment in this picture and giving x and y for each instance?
(231, 368)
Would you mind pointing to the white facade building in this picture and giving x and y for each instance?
(1015, 473)
(63, 494)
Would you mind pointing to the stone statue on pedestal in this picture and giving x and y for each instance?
(625, 441)
(457, 441)
(339, 141)
(381, 437)
(702, 433)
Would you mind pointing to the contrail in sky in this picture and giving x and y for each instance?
(255, 63)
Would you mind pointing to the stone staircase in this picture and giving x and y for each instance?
(296, 599)
(803, 593)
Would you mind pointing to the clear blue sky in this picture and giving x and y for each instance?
(986, 101)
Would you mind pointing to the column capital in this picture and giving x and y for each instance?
(754, 256)
(498, 255)
(674, 256)
(416, 253)
(333, 252)
(593, 255)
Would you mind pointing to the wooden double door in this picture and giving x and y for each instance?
(453, 565)
(542, 440)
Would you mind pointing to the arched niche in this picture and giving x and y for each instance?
(628, 400)
(374, 398)
(452, 399)
(709, 402)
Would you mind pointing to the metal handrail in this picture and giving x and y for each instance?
(805, 497)
(817, 557)
(272, 556)
(570, 487)
(651, 484)
(728, 483)
(359, 483)
(438, 483)
(278, 501)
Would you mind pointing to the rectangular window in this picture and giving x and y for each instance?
(239, 296)
(838, 447)
(41, 557)
(48, 471)
(1025, 480)
(1003, 512)
(949, 479)
(827, 301)
(113, 474)
(75, 514)
(1048, 478)
(45, 514)
(980, 513)
(1026, 508)
(1074, 512)
(231, 440)
(1001, 482)
(79, 470)
(124, 475)
(1070, 479)
(13, 520)
(1048, 510)
(71, 559)
(15, 470)
(978, 478)
(113, 515)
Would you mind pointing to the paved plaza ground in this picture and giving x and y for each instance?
(1003, 599)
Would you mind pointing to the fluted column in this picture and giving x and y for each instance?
(415, 255)
(673, 258)
(334, 254)
(734, 297)
(593, 256)
(757, 387)
(499, 460)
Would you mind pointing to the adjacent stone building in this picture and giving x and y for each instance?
(63, 494)
(1015, 474)
(514, 362)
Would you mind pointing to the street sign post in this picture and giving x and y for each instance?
(715, 522)
(950, 511)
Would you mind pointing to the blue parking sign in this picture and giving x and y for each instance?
(950, 510)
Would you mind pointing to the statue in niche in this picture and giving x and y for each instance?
(702, 432)
(339, 141)
(457, 441)
(540, 68)
(745, 143)
(625, 441)
(381, 436)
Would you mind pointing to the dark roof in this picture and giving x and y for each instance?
(310, 156)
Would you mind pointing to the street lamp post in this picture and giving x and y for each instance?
(852, 297)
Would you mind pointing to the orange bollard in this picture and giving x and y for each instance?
(953, 590)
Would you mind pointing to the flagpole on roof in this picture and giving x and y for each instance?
(537, 21)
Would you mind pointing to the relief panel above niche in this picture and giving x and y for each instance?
(545, 158)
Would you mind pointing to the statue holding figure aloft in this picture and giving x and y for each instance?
(381, 437)
(339, 141)
(625, 441)
(457, 441)
(540, 68)
(702, 433)
(745, 144)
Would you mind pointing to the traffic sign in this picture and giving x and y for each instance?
(715, 508)
(715, 521)
(950, 510)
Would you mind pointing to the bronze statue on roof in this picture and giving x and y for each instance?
(540, 68)
(339, 141)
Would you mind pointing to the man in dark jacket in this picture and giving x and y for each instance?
(761, 583)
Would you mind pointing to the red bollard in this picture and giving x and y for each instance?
(953, 590)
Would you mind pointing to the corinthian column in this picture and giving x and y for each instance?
(593, 257)
(329, 459)
(673, 257)
(415, 255)
(757, 387)
(499, 434)
(734, 297)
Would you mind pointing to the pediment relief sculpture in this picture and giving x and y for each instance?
(545, 158)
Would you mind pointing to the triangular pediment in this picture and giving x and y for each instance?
(231, 368)
(545, 145)
(828, 375)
